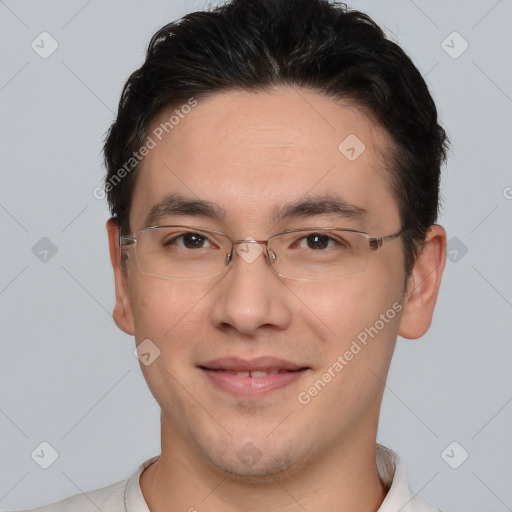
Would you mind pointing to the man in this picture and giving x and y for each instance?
(273, 176)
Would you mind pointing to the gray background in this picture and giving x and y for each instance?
(68, 376)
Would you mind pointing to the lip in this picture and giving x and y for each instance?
(219, 372)
(248, 365)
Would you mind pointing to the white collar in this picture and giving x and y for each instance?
(393, 475)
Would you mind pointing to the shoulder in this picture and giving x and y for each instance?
(119, 497)
(106, 499)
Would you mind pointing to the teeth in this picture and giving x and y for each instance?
(239, 374)
(259, 373)
(263, 373)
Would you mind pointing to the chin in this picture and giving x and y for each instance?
(254, 466)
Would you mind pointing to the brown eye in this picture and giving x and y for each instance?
(190, 240)
(317, 241)
(320, 241)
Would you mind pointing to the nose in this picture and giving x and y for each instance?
(249, 252)
(251, 295)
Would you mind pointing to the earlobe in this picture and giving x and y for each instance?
(122, 314)
(423, 285)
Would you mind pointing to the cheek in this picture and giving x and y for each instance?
(167, 313)
(362, 316)
(162, 309)
(365, 308)
(345, 309)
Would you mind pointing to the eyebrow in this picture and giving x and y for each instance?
(178, 205)
(319, 205)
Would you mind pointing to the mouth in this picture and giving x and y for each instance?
(253, 378)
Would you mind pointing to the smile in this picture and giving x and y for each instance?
(253, 378)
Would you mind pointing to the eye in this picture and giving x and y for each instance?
(188, 240)
(319, 241)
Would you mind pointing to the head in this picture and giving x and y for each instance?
(246, 108)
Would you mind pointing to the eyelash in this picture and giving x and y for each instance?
(172, 241)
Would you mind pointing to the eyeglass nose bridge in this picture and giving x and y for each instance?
(270, 255)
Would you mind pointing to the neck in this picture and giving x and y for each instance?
(344, 479)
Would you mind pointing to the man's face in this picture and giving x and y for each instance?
(250, 154)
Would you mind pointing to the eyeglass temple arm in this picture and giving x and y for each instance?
(126, 240)
(376, 243)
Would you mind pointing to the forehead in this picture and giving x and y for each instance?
(252, 152)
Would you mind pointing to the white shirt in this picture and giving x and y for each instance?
(126, 496)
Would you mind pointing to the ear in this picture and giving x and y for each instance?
(423, 285)
(122, 314)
